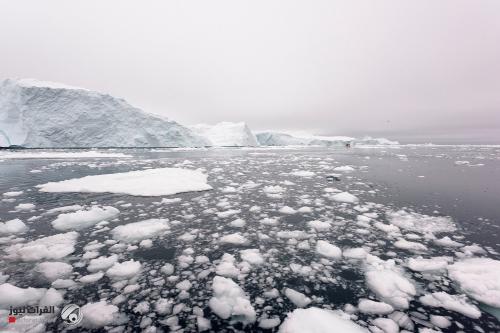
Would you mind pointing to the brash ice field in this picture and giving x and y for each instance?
(390, 239)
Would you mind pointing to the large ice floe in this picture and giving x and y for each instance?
(479, 278)
(316, 320)
(151, 182)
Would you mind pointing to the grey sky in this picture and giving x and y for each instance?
(420, 71)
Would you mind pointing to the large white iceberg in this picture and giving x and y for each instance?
(227, 134)
(45, 114)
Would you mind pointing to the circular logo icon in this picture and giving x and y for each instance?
(71, 315)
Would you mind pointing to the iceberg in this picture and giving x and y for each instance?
(39, 114)
(226, 134)
(284, 139)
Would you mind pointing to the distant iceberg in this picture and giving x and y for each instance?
(285, 139)
(40, 114)
(227, 134)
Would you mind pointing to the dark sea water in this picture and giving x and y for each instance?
(422, 179)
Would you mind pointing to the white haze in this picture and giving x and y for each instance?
(414, 71)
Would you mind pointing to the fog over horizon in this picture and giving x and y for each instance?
(421, 71)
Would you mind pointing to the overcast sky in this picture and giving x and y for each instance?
(416, 71)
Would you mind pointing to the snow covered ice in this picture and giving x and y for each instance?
(81, 118)
(152, 182)
(254, 239)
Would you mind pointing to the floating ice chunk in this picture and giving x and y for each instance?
(299, 269)
(138, 231)
(386, 324)
(91, 278)
(12, 194)
(230, 302)
(428, 265)
(64, 209)
(316, 320)
(184, 285)
(25, 206)
(345, 197)
(388, 228)
(421, 223)
(146, 243)
(268, 323)
(124, 270)
(63, 284)
(457, 303)
(479, 278)
(372, 307)
(440, 321)
(319, 225)
(228, 213)
(411, 246)
(203, 324)
(269, 221)
(274, 191)
(227, 266)
(163, 306)
(302, 173)
(53, 270)
(404, 321)
(387, 282)
(52, 298)
(151, 182)
(287, 210)
(344, 168)
(447, 242)
(102, 263)
(167, 269)
(305, 209)
(292, 234)
(229, 189)
(328, 250)
(50, 247)
(252, 256)
(355, 253)
(11, 227)
(100, 314)
(15, 296)
(473, 249)
(238, 223)
(235, 238)
(84, 218)
(299, 299)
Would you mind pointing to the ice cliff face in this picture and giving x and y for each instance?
(283, 139)
(227, 134)
(40, 114)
